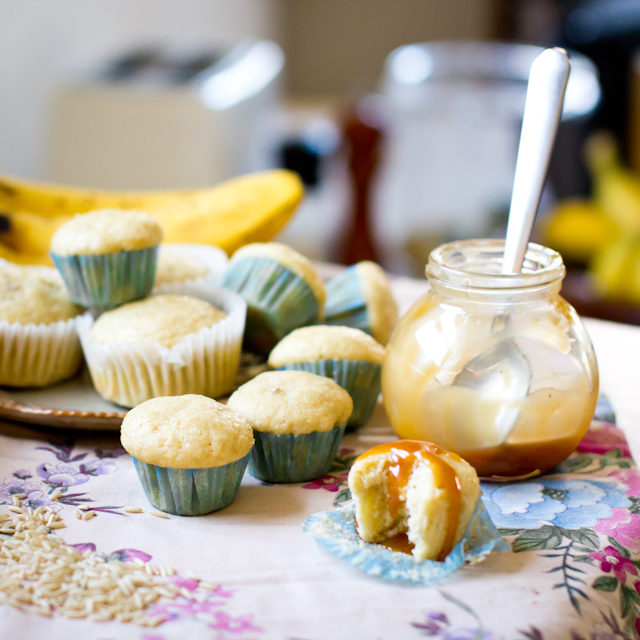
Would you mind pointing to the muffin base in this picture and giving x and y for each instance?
(191, 492)
(294, 458)
(109, 279)
(37, 355)
(278, 301)
(360, 379)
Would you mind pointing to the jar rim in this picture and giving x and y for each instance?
(478, 264)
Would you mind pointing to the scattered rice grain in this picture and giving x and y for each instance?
(157, 514)
(133, 509)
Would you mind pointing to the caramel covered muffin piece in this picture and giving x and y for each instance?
(413, 489)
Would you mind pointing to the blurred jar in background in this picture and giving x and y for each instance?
(454, 113)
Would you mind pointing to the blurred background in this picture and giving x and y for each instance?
(401, 116)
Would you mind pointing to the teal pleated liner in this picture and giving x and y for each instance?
(361, 380)
(278, 301)
(108, 279)
(191, 492)
(294, 458)
(345, 305)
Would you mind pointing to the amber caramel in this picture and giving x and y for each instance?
(404, 454)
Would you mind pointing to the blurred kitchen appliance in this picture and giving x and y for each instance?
(168, 119)
(453, 114)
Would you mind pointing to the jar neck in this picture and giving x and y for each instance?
(472, 271)
(517, 295)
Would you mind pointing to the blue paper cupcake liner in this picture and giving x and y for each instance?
(345, 305)
(191, 492)
(336, 532)
(278, 300)
(108, 279)
(360, 379)
(294, 458)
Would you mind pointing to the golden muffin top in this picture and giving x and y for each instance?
(320, 342)
(106, 231)
(186, 432)
(165, 319)
(176, 267)
(292, 402)
(33, 295)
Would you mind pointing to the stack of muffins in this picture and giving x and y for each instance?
(163, 338)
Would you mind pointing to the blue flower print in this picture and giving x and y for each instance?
(565, 503)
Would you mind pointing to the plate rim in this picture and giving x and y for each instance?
(36, 414)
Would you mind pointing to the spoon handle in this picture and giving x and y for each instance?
(542, 111)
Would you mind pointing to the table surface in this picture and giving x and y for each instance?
(277, 582)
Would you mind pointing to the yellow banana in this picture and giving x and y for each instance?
(612, 268)
(251, 208)
(615, 188)
(578, 229)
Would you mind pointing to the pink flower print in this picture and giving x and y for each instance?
(190, 584)
(603, 437)
(612, 560)
(624, 524)
(329, 482)
(225, 622)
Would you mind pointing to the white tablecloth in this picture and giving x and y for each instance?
(276, 582)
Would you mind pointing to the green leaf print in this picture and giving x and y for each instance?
(546, 537)
(605, 583)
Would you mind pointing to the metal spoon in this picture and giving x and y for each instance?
(503, 371)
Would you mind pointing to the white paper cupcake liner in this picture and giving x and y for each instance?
(37, 355)
(214, 259)
(204, 363)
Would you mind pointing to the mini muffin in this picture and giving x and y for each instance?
(413, 489)
(188, 262)
(190, 452)
(107, 257)
(166, 345)
(348, 356)
(361, 297)
(38, 340)
(299, 419)
(282, 289)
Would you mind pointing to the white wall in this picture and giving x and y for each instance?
(46, 42)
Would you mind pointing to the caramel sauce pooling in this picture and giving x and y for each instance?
(404, 454)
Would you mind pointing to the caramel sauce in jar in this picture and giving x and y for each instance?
(496, 368)
(404, 454)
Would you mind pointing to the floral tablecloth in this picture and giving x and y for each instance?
(573, 570)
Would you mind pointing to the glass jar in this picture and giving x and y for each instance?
(496, 368)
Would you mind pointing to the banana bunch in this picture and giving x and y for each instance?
(603, 232)
(251, 208)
